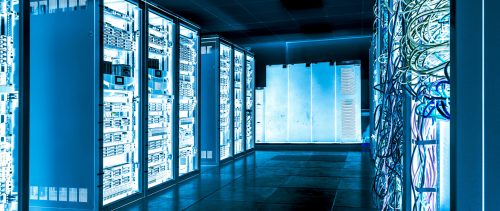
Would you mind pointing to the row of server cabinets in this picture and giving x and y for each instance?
(114, 102)
(228, 79)
(108, 93)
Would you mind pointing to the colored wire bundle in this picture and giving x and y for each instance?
(388, 182)
(412, 57)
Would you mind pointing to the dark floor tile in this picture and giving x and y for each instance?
(346, 172)
(206, 204)
(295, 207)
(358, 164)
(253, 180)
(303, 164)
(354, 198)
(292, 157)
(296, 171)
(355, 183)
(274, 180)
(358, 156)
(353, 209)
(318, 172)
(303, 196)
(236, 192)
(191, 191)
(328, 158)
(311, 182)
(321, 164)
(283, 171)
(160, 203)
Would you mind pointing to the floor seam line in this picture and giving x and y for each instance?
(211, 193)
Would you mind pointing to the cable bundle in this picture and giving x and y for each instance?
(412, 56)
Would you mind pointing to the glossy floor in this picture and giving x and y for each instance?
(275, 180)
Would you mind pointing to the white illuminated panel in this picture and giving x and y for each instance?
(8, 106)
(188, 99)
(323, 102)
(250, 100)
(299, 103)
(348, 104)
(320, 103)
(260, 116)
(225, 80)
(121, 100)
(161, 99)
(276, 104)
(239, 97)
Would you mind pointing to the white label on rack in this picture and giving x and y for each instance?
(33, 192)
(52, 193)
(209, 155)
(73, 194)
(63, 194)
(43, 193)
(83, 195)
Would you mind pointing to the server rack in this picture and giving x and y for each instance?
(14, 105)
(161, 67)
(87, 88)
(188, 112)
(239, 100)
(250, 101)
(94, 85)
(217, 74)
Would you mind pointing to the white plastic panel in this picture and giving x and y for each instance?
(276, 106)
(348, 103)
(121, 163)
(323, 102)
(317, 104)
(299, 103)
(259, 116)
(225, 100)
(161, 99)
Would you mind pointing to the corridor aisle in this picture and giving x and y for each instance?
(275, 180)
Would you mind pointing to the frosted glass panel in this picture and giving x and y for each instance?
(316, 104)
(348, 105)
(259, 115)
(323, 102)
(276, 106)
(299, 103)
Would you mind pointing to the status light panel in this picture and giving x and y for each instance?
(160, 100)
(250, 65)
(238, 101)
(8, 106)
(225, 101)
(188, 85)
(121, 100)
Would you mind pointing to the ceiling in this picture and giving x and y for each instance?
(254, 21)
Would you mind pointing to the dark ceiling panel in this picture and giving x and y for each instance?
(253, 20)
(301, 4)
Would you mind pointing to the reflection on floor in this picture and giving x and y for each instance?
(275, 180)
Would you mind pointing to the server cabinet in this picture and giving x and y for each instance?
(217, 74)
(260, 115)
(188, 92)
(250, 101)
(13, 68)
(161, 68)
(86, 91)
(348, 102)
(239, 100)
